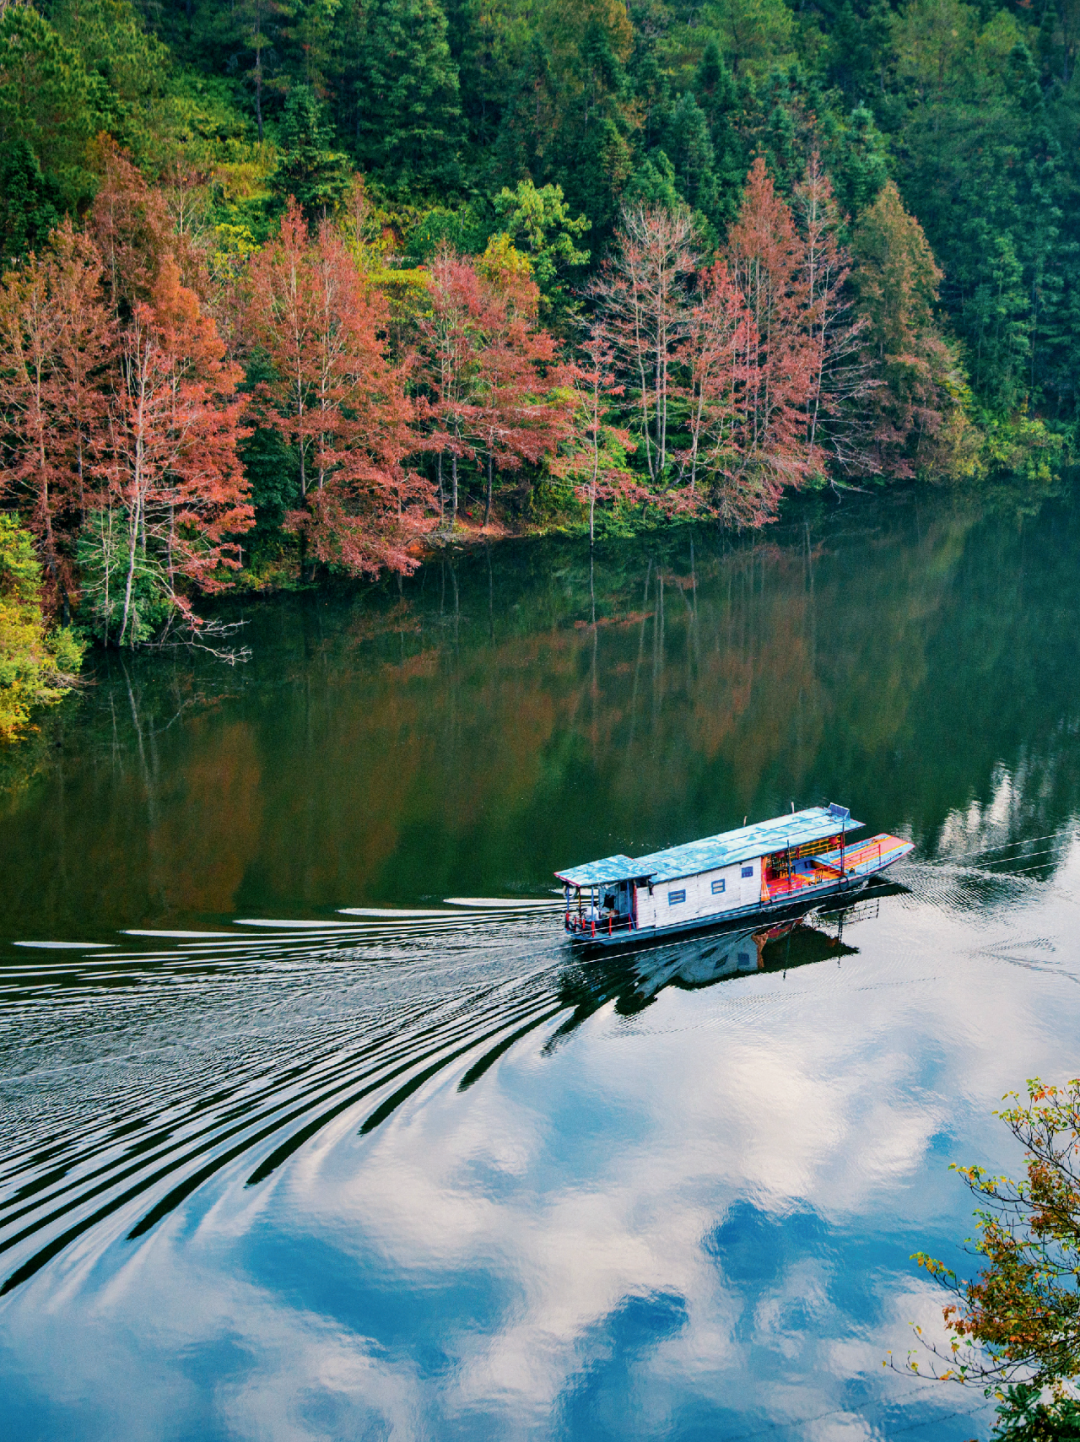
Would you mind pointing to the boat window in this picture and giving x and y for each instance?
(718, 887)
(748, 871)
(675, 897)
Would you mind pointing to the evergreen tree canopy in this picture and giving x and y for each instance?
(27, 209)
(315, 176)
(49, 105)
(540, 223)
(408, 124)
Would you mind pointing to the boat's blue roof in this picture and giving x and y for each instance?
(742, 844)
(600, 873)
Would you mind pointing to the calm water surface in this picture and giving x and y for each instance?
(311, 1126)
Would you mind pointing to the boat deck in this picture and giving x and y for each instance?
(863, 859)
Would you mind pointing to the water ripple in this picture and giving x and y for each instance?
(134, 1074)
(190, 1058)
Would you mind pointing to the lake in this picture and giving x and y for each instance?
(313, 1128)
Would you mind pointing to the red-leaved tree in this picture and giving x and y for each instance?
(131, 225)
(714, 363)
(837, 422)
(522, 412)
(766, 258)
(719, 363)
(337, 401)
(450, 338)
(642, 299)
(491, 374)
(57, 342)
(177, 496)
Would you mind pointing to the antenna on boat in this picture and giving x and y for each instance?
(744, 821)
(793, 808)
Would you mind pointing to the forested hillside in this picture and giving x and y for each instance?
(292, 283)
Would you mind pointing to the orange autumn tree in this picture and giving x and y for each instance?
(719, 361)
(176, 496)
(489, 373)
(134, 233)
(337, 401)
(766, 258)
(522, 410)
(57, 344)
(715, 363)
(642, 297)
(842, 390)
(120, 416)
(450, 338)
(1015, 1328)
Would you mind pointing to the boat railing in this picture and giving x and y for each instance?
(797, 881)
(577, 923)
(860, 860)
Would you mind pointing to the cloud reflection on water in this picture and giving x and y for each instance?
(674, 1210)
(695, 1216)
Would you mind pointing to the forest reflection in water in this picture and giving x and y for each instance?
(314, 1126)
(524, 708)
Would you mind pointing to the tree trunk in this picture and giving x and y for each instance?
(132, 546)
(258, 93)
(487, 505)
(169, 551)
(82, 484)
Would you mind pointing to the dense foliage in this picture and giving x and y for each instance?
(36, 667)
(970, 108)
(291, 284)
(1016, 1326)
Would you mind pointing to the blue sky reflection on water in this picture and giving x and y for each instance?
(694, 1221)
(611, 1200)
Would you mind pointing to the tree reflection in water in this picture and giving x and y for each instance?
(518, 708)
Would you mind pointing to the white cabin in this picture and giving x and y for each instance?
(756, 868)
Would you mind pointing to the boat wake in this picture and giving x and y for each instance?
(146, 1068)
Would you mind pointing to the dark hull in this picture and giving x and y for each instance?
(778, 910)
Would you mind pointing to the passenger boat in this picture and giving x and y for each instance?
(785, 864)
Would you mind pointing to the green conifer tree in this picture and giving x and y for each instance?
(920, 421)
(1049, 253)
(308, 170)
(525, 146)
(593, 120)
(858, 161)
(48, 101)
(409, 113)
(27, 209)
(717, 94)
(654, 184)
(539, 223)
(690, 146)
(132, 66)
(651, 91)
